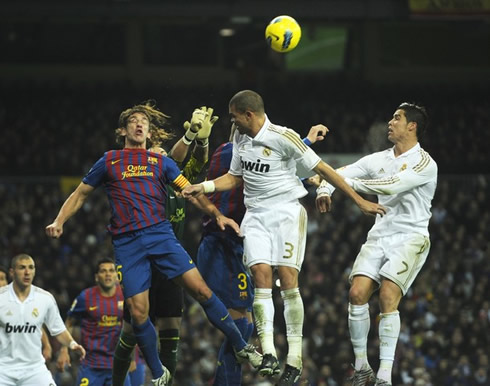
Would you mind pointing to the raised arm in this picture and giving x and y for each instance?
(72, 204)
(329, 174)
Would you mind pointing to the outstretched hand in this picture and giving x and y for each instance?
(224, 221)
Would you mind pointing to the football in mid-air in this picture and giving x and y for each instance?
(283, 33)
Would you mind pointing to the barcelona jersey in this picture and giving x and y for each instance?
(134, 180)
(229, 202)
(100, 320)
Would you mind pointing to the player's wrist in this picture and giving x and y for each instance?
(208, 186)
(72, 345)
(188, 140)
(323, 189)
(202, 142)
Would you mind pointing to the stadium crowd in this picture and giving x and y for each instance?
(60, 131)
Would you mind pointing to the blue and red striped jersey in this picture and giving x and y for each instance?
(229, 202)
(101, 322)
(134, 180)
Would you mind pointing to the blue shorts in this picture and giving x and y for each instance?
(136, 252)
(137, 377)
(219, 259)
(88, 376)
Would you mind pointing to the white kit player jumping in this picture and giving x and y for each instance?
(264, 159)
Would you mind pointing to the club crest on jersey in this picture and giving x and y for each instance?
(243, 295)
(404, 166)
(152, 160)
(255, 166)
(35, 312)
(267, 152)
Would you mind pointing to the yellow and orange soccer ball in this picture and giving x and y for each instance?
(283, 33)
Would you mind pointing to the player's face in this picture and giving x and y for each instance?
(241, 121)
(137, 130)
(3, 279)
(23, 273)
(106, 277)
(397, 126)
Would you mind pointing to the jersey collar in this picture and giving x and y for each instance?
(263, 129)
(14, 298)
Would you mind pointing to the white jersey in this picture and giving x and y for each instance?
(20, 327)
(267, 164)
(405, 185)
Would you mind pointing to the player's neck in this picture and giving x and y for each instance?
(107, 292)
(404, 146)
(22, 292)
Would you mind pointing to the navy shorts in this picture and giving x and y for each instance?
(155, 246)
(88, 376)
(219, 259)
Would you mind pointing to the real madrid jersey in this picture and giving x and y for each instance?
(405, 185)
(267, 164)
(20, 327)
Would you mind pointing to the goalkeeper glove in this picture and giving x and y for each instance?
(205, 131)
(192, 127)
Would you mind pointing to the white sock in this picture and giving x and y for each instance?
(389, 330)
(359, 324)
(294, 315)
(264, 319)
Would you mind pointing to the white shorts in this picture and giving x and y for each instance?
(398, 257)
(275, 235)
(38, 376)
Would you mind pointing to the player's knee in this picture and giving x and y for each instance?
(203, 293)
(358, 295)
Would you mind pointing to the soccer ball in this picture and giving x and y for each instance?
(283, 33)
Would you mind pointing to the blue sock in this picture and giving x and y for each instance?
(146, 337)
(229, 371)
(218, 315)
(250, 330)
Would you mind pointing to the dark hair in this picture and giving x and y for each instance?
(103, 260)
(18, 257)
(247, 100)
(418, 114)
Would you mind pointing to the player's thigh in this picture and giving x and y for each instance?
(132, 264)
(220, 263)
(369, 261)
(406, 255)
(258, 238)
(290, 238)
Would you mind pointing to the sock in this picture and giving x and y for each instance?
(169, 346)
(249, 332)
(359, 324)
(229, 371)
(294, 315)
(218, 315)
(146, 337)
(122, 358)
(389, 330)
(264, 319)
